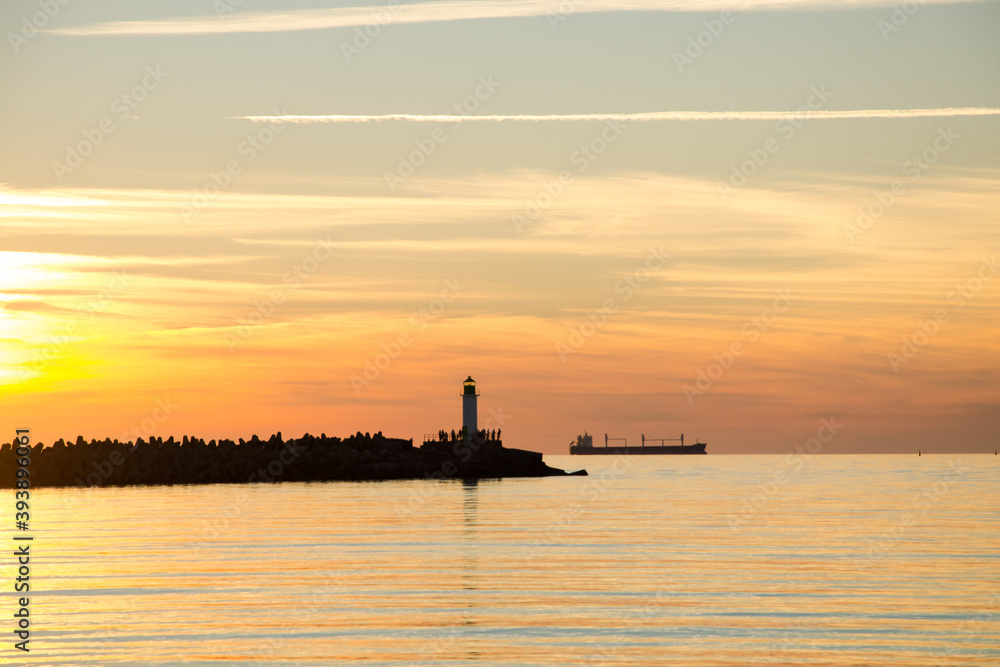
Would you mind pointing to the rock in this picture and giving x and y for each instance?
(191, 461)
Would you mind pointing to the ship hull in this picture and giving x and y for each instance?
(698, 448)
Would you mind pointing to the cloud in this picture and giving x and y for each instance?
(647, 116)
(448, 10)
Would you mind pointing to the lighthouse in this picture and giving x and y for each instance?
(470, 412)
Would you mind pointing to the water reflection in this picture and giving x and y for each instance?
(647, 572)
(470, 500)
(470, 537)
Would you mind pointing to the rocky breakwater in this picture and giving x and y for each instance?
(306, 459)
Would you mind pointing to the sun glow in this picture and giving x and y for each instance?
(23, 271)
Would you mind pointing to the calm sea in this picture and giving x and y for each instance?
(712, 560)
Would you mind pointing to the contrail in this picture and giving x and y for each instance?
(445, 10)
(633, 117)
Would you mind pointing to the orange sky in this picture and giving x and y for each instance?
(292, 322)
(722, 266)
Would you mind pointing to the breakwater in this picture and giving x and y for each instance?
(307, 459)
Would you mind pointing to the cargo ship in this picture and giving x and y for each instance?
(585, 445)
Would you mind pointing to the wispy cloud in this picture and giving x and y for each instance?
(447, 10)
(635, 117)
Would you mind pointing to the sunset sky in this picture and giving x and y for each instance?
(209, 226)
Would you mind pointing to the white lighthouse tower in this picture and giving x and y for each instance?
(470, 412)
